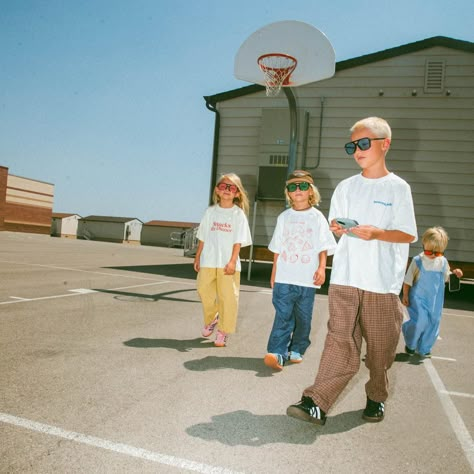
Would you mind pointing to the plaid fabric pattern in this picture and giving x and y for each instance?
(355, 314)
(219, 293)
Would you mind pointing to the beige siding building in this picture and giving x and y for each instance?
(426, 92)
(64, 225)
(26, 205)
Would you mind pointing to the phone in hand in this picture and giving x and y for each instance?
(347, 223)
(454, 282)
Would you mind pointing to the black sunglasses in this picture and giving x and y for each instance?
(362, 143)
(291, 188)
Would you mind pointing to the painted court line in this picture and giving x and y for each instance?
(116, 447)
(77, 270)
(459, 428)
(459, 394)
(449, 359)
(77, 292)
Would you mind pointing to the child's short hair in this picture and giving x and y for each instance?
(436, 238)
(377, 125)
(242, 199)
(299, 176)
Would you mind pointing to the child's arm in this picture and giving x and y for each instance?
(197, 258)
(274, 269)
(229, 269)
(319, 276)
(369, 232)
(406, 294)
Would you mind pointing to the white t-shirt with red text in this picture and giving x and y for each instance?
(220, 229)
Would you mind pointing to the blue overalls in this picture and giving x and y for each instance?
(426, 306)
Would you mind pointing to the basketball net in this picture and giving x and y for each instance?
(277, 69)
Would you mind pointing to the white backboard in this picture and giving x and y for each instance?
(313, 51)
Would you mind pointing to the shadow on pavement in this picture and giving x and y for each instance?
(250, 364)
(141, 297)
(244, 428)
(178, 344)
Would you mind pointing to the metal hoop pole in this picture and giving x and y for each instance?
(293, 129)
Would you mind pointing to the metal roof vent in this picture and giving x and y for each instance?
(278, 160)
(434, 76)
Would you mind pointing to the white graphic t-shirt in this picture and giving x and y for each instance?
(298, 239)
(220, 229)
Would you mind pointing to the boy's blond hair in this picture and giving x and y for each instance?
(377, 125)
(241, 199)
(436, 238)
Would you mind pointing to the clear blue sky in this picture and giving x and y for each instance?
(104, 98)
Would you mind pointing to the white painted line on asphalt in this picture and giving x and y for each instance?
(449, 359)
(83, 291)
(459, 394)
(457, 315)
(116, 447)
(459, 428)
(78, 270)
(18, 298)
(77, 292)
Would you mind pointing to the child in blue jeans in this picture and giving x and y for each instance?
(300, 243)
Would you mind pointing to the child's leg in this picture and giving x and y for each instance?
(340, 359)
(283, 299)
(207, 291)
(381, 318)
(414, 328)
(428, 338)
(228, 287)
(303, 313)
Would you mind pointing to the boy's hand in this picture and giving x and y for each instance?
(366, 232)
(337, 229)
(458, 272)
(229, 269)
(319, 276)
(405, 300)
(197, 265)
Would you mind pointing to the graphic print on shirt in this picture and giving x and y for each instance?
(297, 242)
(221, 227)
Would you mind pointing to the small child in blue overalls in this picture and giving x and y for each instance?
(423, 293)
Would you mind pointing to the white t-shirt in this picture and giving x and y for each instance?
(298, 239)
(220, 229)
(430, 265)
(373, 265)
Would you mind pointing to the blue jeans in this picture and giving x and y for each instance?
(292, 326)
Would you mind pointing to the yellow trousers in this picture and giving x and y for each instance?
(219, 293)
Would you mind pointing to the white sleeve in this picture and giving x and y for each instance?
(410, 273)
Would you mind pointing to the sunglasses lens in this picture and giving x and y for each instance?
(364, 143)
(304, 186)
(222, 187)
(291, 187)
(350, 148)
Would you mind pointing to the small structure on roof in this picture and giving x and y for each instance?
(125, 230)
(64, 225)
(165, 233)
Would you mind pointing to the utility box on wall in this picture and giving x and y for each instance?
(271, 182)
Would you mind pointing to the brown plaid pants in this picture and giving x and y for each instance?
(355, 314)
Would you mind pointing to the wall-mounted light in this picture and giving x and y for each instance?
(381, 92)
(448, 92)
(414, 92)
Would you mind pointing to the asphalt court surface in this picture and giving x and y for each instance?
(103, 369)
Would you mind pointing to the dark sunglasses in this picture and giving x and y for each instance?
(292, 187)
(432, 252)
(224, 186)
(362, 143)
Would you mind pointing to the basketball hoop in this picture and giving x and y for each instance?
(277, 69)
